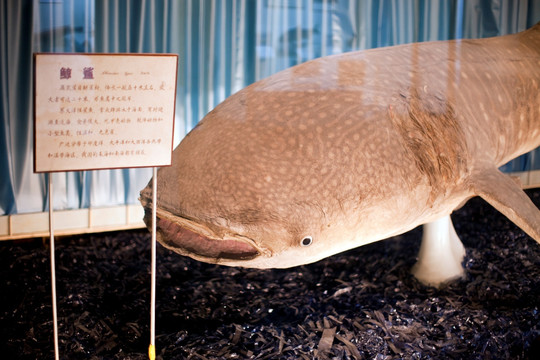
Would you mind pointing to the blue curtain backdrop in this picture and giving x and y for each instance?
(223, 46)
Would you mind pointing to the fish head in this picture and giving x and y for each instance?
(242, 192)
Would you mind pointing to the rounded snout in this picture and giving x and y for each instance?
(197, 241)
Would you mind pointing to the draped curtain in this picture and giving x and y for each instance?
(223, 46)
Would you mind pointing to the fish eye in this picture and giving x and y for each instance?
(306, 241)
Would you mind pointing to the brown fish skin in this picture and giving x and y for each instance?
(353, 148)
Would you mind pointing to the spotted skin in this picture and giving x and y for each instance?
(351, 149)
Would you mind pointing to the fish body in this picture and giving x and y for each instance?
(349, 149)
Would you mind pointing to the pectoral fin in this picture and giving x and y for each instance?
(505, 195)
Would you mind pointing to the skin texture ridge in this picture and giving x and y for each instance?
(349, 149)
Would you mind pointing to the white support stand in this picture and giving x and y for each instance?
(152, 347)
(440, 255)
(53, 267)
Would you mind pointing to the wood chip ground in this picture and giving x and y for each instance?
(363, 304)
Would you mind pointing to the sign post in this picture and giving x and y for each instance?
(103, 111)
(53, 267)
(152, 348)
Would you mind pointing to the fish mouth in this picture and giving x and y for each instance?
(190, 238)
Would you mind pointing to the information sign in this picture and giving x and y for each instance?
(97, 111)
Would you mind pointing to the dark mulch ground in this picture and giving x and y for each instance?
(361, 304)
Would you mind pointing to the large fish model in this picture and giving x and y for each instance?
(349, 149)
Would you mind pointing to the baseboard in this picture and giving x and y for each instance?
(69, 222)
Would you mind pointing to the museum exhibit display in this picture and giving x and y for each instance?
(350, 180)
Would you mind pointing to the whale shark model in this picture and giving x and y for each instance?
(349, 149)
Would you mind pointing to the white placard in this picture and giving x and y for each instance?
(103, 111)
